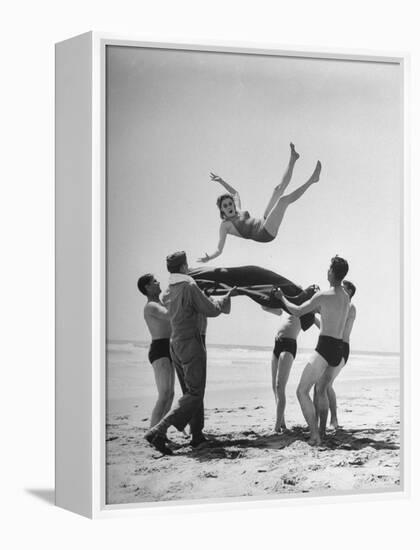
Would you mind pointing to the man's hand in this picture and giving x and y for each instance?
(233, 292)
(278, 293)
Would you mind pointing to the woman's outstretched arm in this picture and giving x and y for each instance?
(220, 246)
(228, 187)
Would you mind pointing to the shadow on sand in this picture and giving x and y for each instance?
(233, 446)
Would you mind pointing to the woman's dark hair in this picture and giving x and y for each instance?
(144, 281)
(221, 199)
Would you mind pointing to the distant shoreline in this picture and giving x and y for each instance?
(144, 344)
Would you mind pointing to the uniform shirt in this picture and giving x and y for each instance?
(188, 307)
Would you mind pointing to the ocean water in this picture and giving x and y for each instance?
(241, 372)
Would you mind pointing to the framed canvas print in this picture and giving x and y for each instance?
(231, 285)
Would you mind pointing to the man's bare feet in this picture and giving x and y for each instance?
(315, 176)
(293, 153)
(335, 425)
(281, 429)
(314, 441)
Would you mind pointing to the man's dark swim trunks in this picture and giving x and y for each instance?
(346, 351)
(158, 349)
(331, 349)
(284, 344)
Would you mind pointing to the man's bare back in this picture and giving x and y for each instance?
(333, 305)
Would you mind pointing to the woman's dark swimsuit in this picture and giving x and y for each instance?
(159, 348)
(285, 344)
(346, 351)
(331, 349)
(251, 228)
(214, 280)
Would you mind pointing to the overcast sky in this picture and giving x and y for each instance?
(174, 116)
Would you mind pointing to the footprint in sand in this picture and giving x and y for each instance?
(358, 461)
(209, 475)
(249, 432)
(290, 481)
(224, 453)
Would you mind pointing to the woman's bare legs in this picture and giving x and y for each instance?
(274, 367)
(280, 188)
(284, 365)
(315, 401)
(275, 217)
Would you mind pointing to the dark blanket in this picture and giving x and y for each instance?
(255, 282)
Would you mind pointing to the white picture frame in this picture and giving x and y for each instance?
(81, 265)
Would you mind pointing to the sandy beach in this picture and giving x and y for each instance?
(244, 457)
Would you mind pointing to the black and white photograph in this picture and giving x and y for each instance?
(210, 231)
(253, 275)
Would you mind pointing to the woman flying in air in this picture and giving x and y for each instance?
(239, 222)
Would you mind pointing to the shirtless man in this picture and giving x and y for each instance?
(158, 323)
(329, 376)
(333, 306)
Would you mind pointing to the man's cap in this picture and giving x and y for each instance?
(176, 259)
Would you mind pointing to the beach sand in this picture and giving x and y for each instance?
(244, 457)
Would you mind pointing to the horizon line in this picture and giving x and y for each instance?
(248, 346)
